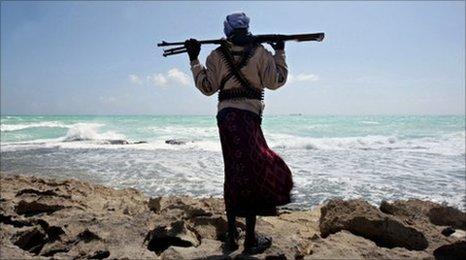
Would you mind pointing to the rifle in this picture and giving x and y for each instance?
(256, 39)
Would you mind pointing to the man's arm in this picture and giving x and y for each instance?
(274, 70)
(206, 78)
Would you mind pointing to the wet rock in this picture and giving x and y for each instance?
(117, 141)
(176, 141)
(363, 219)
(33, 208)
(456, 250)
(159, 239)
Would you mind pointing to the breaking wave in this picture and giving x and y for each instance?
(17, 127)
(448, 144)
(89, 132)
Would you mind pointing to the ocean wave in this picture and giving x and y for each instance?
(89, 132)
(370, 123)
(448, 144)
(17, 127)
(94, 135)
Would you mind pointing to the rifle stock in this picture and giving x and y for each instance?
(262, 38)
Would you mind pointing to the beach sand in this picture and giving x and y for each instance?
(43, 218)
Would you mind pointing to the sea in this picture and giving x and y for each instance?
(370, 157)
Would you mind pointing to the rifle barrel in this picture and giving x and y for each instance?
(257, 38)
(165, 54)
(164, 43)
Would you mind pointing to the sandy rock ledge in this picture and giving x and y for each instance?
(45, 219)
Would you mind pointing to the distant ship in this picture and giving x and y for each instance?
(296, 114)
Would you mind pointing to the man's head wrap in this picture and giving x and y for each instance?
(235, 21)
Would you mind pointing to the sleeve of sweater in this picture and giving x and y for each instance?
(207, 79)
(273, 69)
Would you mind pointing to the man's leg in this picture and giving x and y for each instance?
(231, 218)
(232, 232)
(250, 233)
(255, 244)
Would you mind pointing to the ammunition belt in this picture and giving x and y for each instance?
(240, 93)
(246, 91)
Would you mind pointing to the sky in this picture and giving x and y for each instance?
(101, 58)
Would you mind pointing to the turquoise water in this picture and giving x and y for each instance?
(371, 157)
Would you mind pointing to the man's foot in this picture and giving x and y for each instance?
(258, 246)
(231, 241)
(230, 245)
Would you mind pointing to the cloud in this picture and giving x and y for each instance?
(173, 77)
(178, 76)
(302, 77)
(158, 80)
(135, 79)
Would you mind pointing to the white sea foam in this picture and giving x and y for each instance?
(82, 136)
(89, 132)
(450, 144)
(370, 123)
(17, 127)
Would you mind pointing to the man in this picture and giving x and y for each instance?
(257, 180)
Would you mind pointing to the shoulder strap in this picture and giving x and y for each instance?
(235, 69)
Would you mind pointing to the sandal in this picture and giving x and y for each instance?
(260, 245)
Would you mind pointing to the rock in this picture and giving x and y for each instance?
(425, 216)
(50, 249)
(345, 245)
(87, 236)
(460, 234)
(35, 207)
(30, 239)
(39, 193)
(117, 142)
(99, 254)
(175, 141)
(9, 220)
(208, 249)
(448, 231)
(140, 142)
(456, 250)
(447, 216)
(154, 204)
(178, 235)
(435, 213)
(363, 219)
(71, 219)
(210, 227)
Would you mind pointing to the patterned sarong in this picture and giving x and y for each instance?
(256, 178)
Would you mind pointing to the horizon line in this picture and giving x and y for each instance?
(289, 114)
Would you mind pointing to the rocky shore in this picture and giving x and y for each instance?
(72, 219)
